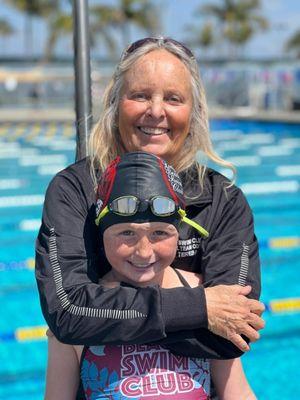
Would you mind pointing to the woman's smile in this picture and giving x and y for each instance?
(153, 131)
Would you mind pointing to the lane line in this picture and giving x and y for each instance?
(270, 187)
(272, 151)
(27, 161)
(22, 201)
(12, 183)
(288, 170)
(241, 161)
(30, 225)
(50, 169)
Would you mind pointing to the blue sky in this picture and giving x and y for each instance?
(284, 17)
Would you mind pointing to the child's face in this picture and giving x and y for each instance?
(139, 253)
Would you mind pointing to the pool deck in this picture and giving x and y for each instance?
(67, 114)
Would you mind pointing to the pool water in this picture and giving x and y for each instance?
(267, 156)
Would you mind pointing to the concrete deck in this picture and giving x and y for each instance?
(36, 115)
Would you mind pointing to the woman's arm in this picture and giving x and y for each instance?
(228, 376)
(230, 380)
(62, 370)
(230, 256)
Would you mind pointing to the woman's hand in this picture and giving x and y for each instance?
(231, 314)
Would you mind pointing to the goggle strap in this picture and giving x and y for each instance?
(101, 215)
(192, 223)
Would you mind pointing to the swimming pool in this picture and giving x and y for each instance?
(268, 160)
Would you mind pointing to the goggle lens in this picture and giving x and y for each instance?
(163, 206)
(124, 205)
(129, 205)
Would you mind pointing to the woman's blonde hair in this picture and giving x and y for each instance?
(105, 141)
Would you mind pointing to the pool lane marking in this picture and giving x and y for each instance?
(270, 187)
(233, 145)
(273, 151)
(284, 242)
(226, 134)
(242, 138)
(50, 169)
(258, 138)
(4, 131)
(241, 161)
(50, 133)
(12, 183)
(31, 333)
(288, 170)
(284, 305)
(289, 142)
(9, 146)
(30, 225)
(22, 201)
(65, 144)
(17, 133)
(69, 132)
(27, 161)
(17, 152)
(36, 131)
(18, 265)
(42, 141)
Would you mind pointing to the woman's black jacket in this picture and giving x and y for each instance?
(70, 259)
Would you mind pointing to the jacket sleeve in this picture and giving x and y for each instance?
(230, 256)
(79, 311)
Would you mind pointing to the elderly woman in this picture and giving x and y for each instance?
(155, 103)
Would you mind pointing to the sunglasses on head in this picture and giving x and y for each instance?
(160, 206)
(141, 42)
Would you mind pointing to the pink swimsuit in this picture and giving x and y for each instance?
(142, 372)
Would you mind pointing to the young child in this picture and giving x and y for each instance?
(140, 204)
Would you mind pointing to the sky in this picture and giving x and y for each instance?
(283, 15)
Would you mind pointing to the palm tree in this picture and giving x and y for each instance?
(238, 20)
(127, 13)
(5, 29)
(61, 25)
(202, 37)
(105, 20)
(293, 44)
(33, 8)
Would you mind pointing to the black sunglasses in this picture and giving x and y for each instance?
(139, 43)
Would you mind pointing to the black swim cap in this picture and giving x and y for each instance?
(144, 176)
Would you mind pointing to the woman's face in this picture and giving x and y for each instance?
(156, 105)
(139, 253)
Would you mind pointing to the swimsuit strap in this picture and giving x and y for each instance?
(181, 278)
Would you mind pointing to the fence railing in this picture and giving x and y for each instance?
(229, 85)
